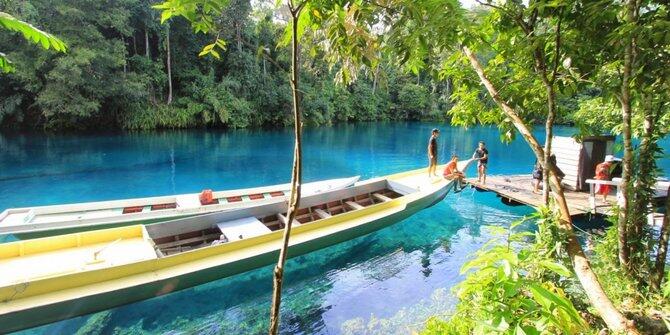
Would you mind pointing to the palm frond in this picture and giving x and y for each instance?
(31, 33)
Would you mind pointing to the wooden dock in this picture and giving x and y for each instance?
(519, 189)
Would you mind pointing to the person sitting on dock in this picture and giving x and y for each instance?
(538, 174)
(432, 152)
(482, 155)
(537, 177)
(603, 172)
(451, 173)
(559, 173)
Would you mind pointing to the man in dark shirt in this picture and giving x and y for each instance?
(432, 152)
(482, 155)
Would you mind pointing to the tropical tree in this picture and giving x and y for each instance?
(202, 16)
(629, 59)
(422, 35)
(30, 34)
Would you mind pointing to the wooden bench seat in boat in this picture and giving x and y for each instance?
(320, 212)
(170, 205)
(256, 196)
(381, 197)
(186, 241)
(133, 209)
(243, 228)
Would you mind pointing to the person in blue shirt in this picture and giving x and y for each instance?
(482, 155)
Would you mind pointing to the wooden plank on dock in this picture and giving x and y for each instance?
(519, 188)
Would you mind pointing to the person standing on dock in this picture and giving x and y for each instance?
(603, 172)
(482, 155)
(432, 152)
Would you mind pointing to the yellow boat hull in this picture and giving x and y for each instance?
(45, 300)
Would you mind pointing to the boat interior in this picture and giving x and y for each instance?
(182, 235)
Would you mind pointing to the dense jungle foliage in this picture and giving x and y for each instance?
(118, 73)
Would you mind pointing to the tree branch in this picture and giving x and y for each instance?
(266, 55)
(554, 72)
(612, 317)
(515, 16)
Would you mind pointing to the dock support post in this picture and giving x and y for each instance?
(592, 198)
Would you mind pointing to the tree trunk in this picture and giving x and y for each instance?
(612, 317)
(146, 41)
(169, 65)
(643, 190)
(624, 255)
(540, 68)
(549, 127)
(659, 268)
(296, 177)
(374, 80)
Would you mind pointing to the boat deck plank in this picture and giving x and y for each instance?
(76, 259)
(519, 188)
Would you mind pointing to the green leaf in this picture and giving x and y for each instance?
(31, 33)
(5, 65)
(546, 298)
(507, 268)
(166, 15)
(555, 267)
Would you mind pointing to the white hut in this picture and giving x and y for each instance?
(578, 160)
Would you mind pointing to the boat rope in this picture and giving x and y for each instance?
(582, 230)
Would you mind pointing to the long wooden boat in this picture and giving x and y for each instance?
(59, 219)
(48, 279)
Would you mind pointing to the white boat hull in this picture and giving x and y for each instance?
(42, 221)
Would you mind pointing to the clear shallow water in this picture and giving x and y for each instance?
(386, 282)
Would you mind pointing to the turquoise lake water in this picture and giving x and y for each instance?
(384, 283)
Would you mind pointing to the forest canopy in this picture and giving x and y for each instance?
(118, 73)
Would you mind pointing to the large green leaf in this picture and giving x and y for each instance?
(558, 268)
(549, 300)
(32, 34)
(5, 65)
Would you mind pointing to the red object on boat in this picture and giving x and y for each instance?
(277, 194)
(132, 209)
(256, 196)
(234, 199)
(206, 197)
